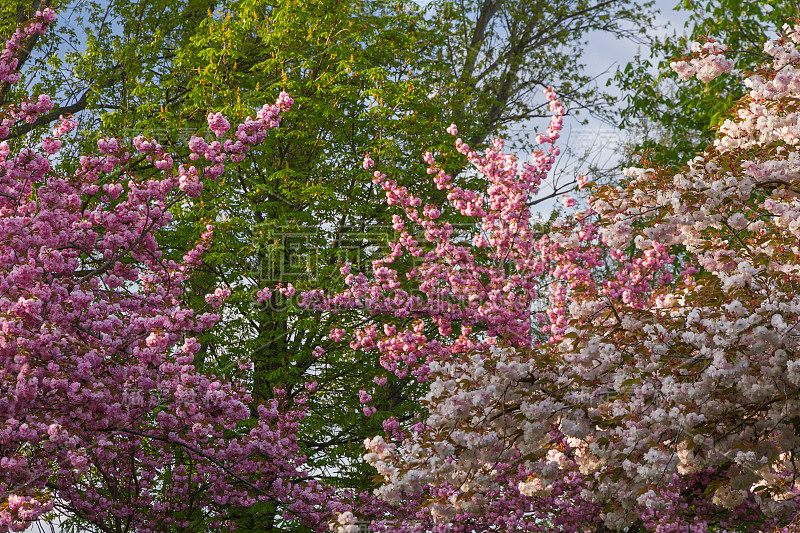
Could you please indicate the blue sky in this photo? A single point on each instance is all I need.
(602, 56)
(605, 53)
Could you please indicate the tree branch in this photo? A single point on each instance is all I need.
(28, 43)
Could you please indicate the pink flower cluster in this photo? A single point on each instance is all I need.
(102, 412)
(8, 57)
(707, 62)
(451, 288)
(218, 297)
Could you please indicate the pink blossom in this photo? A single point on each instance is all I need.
(218, 124)
(707, 62)
(364, 396)
(97, 347)
(218, 297)
(368, 162)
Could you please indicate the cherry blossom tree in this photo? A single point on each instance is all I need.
(103, 416)
(633, 368)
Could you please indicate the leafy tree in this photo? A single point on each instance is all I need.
(500, 54)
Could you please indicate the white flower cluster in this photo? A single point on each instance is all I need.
(346, 522)
(467, 405)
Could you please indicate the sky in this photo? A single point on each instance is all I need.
(602, 56)
(605, 53)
